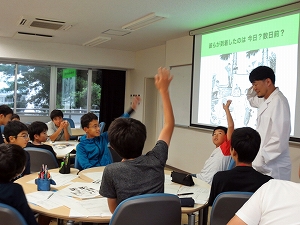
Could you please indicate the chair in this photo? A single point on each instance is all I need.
(10, 215)
(72, 125)
(39, 156)
(226, 205)
(102, 126)
(148, 209)
(231, 164)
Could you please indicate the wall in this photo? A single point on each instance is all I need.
(65, 54)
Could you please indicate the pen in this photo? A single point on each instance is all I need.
(50, 196)
(185, 194)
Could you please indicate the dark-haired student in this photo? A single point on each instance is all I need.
(245, 144)
(12, 164)
(16, 132)
(58, 128)
(92, 149)
(38, 134)
(15, 117)
(138, 174)
(5, 115)
(219, 159)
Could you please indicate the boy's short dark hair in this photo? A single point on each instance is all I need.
(13, 128)
(127, 137)
(12, 161)
(262, 73)
(5, 110)
(87, 118)
(246, 142)
(56, 113)
(36, 127)
(220, 128)
(15, 116)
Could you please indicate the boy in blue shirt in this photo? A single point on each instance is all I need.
(92, 151)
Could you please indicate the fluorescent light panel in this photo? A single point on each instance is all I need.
(97, 41)
(142, 22)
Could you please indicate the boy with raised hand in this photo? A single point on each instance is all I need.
(92, 149)
(16, 132)
(5, 116)
(12, 164)
(220, 157)
(58, 128)
(138, 174)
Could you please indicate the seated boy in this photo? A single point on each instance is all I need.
(276, 202)
(5, 116)
(245, 144)
(58, 129)
(92, 149)
(220, 157)
(138, 174)
(15, 117)
(38, 134)
(16, 132)
(12, 164)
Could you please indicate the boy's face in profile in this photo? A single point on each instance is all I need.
(218, 137)
(57, 120)
(93, 130)
(21, 139)
(42, 137)
(4, 119)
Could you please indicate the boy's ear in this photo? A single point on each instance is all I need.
(36, 136)
(12, 139)
(85, 129)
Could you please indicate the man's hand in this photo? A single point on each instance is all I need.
(135, 102)
(162, 79)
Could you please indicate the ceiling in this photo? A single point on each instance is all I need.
(90, 18)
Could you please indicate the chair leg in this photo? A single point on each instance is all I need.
(191, 219)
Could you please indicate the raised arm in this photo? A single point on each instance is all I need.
(230, 123)
(162, 82)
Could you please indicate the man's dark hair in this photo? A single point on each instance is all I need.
(13, 128)
(5, 110)
(56, 113)
(262, 73)
(246, 142)
(87, 118)
(127, 137)
(220, 128)
(12, 161)
(36, 127)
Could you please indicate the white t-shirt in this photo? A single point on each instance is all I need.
(215, 163)
(277, 202)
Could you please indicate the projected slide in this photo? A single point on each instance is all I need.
(225, 59)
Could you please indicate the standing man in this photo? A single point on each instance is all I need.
(273, 124)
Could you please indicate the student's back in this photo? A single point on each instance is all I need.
(12, 193)
(245, 144)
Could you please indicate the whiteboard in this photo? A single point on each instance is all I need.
(180, 93)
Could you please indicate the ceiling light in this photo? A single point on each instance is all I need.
(97, 41)
(142, 22)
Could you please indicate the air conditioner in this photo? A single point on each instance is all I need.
(45, 23)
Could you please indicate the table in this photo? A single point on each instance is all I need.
(190, 211)
(60, 212)
(77, 132)
(63, 147)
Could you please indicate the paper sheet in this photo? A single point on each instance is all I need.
(81, 190)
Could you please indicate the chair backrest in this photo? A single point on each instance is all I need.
(102, 126)
(10, 215)
(231, 164)
(148, 209)
(71, 122)
(226, 205)
(39, 156)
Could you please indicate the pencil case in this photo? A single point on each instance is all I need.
(44, 184)
(182, 178)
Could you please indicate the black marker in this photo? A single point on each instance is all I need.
(185, 194)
